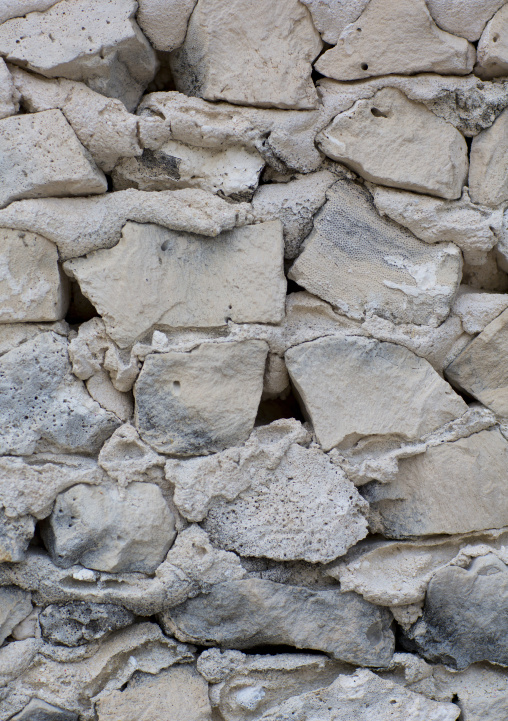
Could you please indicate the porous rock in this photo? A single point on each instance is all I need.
(391, 140)
(364, 264)
(126, 458)
(15, 605)
(15, 535)
(265, 55)
(165, 23)
(180, 279)
(202, 401)
(72, 624)
(492, 57)
(395, 37)
(488, 164)
(331, 17)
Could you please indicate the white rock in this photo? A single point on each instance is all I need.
(488, 182)
(355, 387)
(482, 690)
(13, 335)
(9, 98)
(27, 628)
(15, 535)
(109, 529)
(233, 171)
(103, 125)
(192, 281)
(32, 287)
(41, 156)
(164, 22)
(365, 265)
(17, 8)
(102, 390)
(454, 487)
(332, 16)
(108, 50)
(200, 402)
(476, 309)
(126, 458)
(466, 18)
(15, 606)
(395, 37)
(492, 57)
(394, 141)
(265, 56)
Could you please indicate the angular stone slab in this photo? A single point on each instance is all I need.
(391, 140)
(395, 37)
(331, 17)
(466, 18)
(252, 612)
(41, 157)
(455, 487)
(366, 265)
(160, 277)
(488, 183)
(202, 401)
(165, 23)
(355, 387)
(265, 55)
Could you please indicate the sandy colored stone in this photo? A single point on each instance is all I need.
(455, 487)
(32, 287)
(466, 18)
(395, 37)
(200, 402)
(331, 17)
(164, 22)
(102, 390)
(9, 99)
(41, 156)
(109, 529)
(82, 225)
(38, 710)
(192, 281)
(73, 624)
(391, 140)
(126, 458)
(265, 55)
(17, 8)
(482, 690)
(108, 51)
(15, 605)
(365, 265)
(492, 53)
(488, 182)
(15, 536)
(476, 310)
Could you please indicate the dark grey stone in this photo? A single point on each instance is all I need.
(72, 624)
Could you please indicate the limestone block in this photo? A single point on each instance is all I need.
(31, 285)
(15, 535)
(476, 310)
(102, 390)
(365, 265)
(481, 690)
(295, 204)
(252, 612)
(9, 99)
(395, 37)
(176, 693)
(200, 402)
(17, 8)
(454, 487)
(394, 141)
(72, 624)
(488, 183)
(15, 605)
(331, 17)
(44, 407)
(492, 57)
(478, 369)
(164, 22)
(13, 335)
(233, 171)
(126, 458)
(103, 125)
(362, 696)
(109, 529)
(465, 18)
(265, 53)
(38, 710)
(464, 615)
(182, 280)
(81, 225)
(108, 51)
(41, 156)
(28, 627)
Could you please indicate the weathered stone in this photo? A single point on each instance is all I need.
(72, 624)
(492, 57)
(15, 605)
(38, 710)
(476, 309)
(102, 390)
(331, 17)
(126, 458)
(454, 487)
(396, 37)
(200, 402)
(9, 100)
(82, 225)
(177, 693)
(265, 56)
(28, 627)
(464, 615)
(15, 535)
(481, 690)
(165, 23)
(13, 335)
(295, 204)
(466, 18)
(364, 264)
(488, 183)
(44, 407)
(180, 279)
(31, 285)
(233, 171)
(362, 696)
(41, 156)
(109, 529)
(394, 141)
(18, 8)
(479, 369)
(406, 398)
(252, 612)
(108, 51)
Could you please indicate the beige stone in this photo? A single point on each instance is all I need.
(17, 8)
(32, 287)
(331, 17)
(41, 156)
(394, 141)
(103, 391)
(9, 98)
(15, 606)
(265, 55)
(192, 281)
(466, 18)
(164, 22)
(488, 183)
(492, 57)
(395, 37)
(477, 309)
(126, 459)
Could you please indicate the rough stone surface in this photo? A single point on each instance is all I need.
(489, 163)
(165, 23)
(477, 309)
(9, 101)
(394, 141)
(266, 55)
(73, 624)
(464, 17)
(492, 58)
(331, 17)
(38, 710)
(15, 606)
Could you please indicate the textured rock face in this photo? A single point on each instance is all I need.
(73, 624)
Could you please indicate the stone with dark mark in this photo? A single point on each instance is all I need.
(73, 624)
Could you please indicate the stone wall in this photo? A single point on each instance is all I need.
(253, 360)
